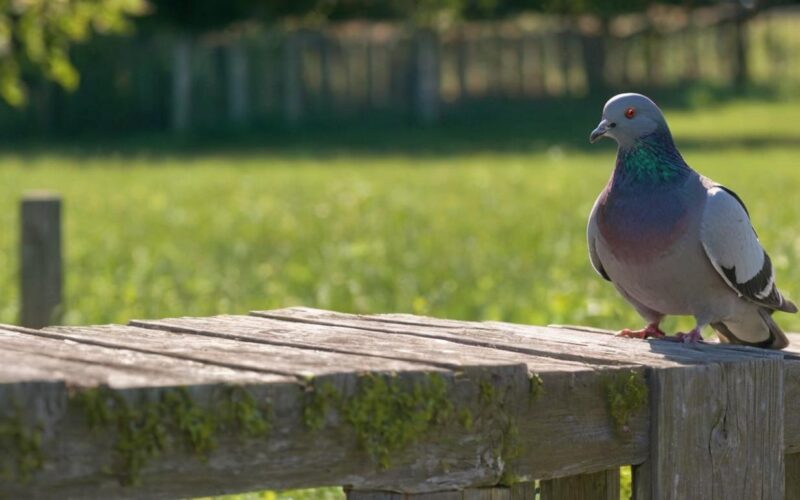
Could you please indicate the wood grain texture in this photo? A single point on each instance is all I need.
(40, 260)
(430, 350)
(716, 432)
(603, 485)
(582, 345)
(26, 357)
(792, 476)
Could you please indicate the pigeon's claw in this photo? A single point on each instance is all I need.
(691, 337)
(650, 331)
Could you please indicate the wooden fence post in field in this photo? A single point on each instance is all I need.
(40, 259)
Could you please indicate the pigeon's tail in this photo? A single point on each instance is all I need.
(787, 305)
(776, 340)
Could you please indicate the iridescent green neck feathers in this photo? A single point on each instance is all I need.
(650, 160)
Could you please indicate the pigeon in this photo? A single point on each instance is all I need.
(673, 242)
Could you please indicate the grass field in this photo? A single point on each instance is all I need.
(462, 223)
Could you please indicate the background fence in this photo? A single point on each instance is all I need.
(296, 75)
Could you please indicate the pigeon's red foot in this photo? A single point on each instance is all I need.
(650, 331)
(691, 337)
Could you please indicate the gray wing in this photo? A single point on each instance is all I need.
(591, 239)
(731, 244)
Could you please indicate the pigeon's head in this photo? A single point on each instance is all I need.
(627, 117)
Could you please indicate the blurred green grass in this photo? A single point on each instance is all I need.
(479, 233)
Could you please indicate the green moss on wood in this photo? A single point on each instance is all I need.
(20, 444)
(385, 413)
(320, 400)
(496, 414)
(508, 479)
(626, 393)
(536, 386)
(466, 419)
(143, 430)
(387, 416)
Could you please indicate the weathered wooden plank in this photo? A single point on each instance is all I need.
(716, 432)
(282, 360)
(40, 259)
(537, 341)
(559, 343)
(603, 485)
(26, 357)
(450, 455)
(429, 350)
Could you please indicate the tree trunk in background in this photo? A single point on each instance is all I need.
(293, 80)
(593, 47)
(182, 83)
(426, 91)
(238, 87)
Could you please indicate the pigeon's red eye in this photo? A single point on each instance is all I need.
(630, 113)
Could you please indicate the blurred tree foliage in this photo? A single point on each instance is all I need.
(35, 37)
(204, 15)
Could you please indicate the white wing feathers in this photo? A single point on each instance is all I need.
(733, 248)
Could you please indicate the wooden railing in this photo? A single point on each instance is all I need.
(389, 406)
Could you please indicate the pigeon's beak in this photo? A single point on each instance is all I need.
(600, 131)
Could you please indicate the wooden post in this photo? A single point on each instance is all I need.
(603, 485)
(793, 475)
(182, 83)
(716, 432)
(40, 260)
(519, 491)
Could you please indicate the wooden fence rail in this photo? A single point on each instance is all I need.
(389, 405)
